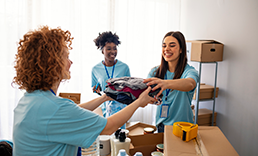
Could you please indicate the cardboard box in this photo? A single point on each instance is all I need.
(205, 50)
(210, 141)
(205, 117)
(206, 92)
(145, 143)
(76, 97)
(137, 128)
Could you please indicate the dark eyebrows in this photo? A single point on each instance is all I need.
(170, 43)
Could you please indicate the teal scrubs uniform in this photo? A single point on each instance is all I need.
(178, 102)
(45, 124)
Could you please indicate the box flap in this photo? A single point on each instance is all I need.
(204, 41)
(215, 141)
(147, 139)
(206, 88)
(137, 129)
(211, 141)
(173, 145)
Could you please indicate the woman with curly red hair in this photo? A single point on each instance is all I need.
(45, 124)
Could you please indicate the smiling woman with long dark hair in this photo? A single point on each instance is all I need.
(177, 81)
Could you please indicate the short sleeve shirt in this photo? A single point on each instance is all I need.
(99, 75)
(179, 102)
(45, 124)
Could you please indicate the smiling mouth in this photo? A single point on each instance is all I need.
(168, 54)
(112, 55)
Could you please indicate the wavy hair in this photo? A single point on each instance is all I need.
(39, 61)
(182, 61)
(106, 37)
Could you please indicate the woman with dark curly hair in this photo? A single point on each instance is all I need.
(6, 148)
(110, 67)
(45, 124)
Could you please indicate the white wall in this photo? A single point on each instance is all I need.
(235, 24)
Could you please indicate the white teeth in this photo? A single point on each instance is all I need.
(168, 54)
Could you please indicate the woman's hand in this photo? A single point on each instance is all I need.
(96, 88)
(107, 98)
(145, 98)
(160, 84)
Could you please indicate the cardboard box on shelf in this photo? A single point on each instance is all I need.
(205, 50)
(76, 97)
(206, 92)
(210, 141)
(145, 143)
(205, 117)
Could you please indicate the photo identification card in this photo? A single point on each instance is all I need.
(164, 110)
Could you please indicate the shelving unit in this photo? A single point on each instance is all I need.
(198, 92)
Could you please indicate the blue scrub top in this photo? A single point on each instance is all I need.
(179, 102)
(45, 124)
(99, 75)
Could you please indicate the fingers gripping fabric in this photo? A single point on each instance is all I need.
(127, 89)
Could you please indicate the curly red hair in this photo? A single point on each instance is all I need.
(39, 62)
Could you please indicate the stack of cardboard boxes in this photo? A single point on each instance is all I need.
(205, 51)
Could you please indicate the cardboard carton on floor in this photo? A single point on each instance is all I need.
(206, 92)
(210, 141)
(205, 50)
(145, 143)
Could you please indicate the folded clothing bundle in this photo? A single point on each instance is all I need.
(127, 89)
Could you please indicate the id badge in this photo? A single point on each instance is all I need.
(164, 110)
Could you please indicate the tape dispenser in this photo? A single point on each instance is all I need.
(185, 130)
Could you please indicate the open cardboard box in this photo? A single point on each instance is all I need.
(138, 128)
(210, 142)
(140, 142)
(145, 143)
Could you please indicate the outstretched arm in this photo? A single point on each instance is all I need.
(184, 85)
(118, 119)
(93, 104)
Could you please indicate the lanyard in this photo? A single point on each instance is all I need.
(107, 70)
(167, 90)
(53, 92)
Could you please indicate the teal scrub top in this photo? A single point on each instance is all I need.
(99, 75)
(45, 124)
(178, 102)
